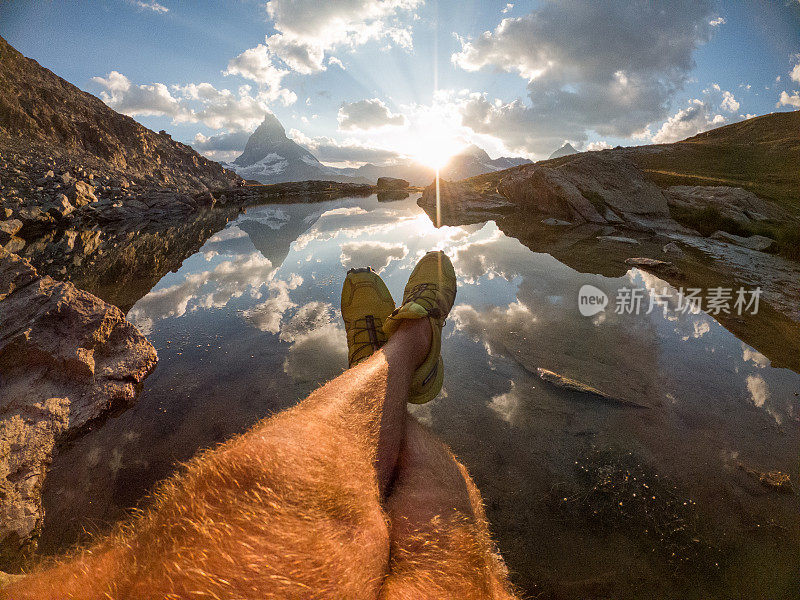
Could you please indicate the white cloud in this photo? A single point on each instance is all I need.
(332, 60)
(191, 103)
(689, 121)
(795, 73)
(328, 150)
(507, 8)
(146, 100)
(717, 22)
(601, 145)
(787, 100)
(367, 114)
(308, 29)
(729, 103)
(605, 66)
(150, 5)
(256, 64)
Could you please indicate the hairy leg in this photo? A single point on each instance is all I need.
(440, 542)
(290, 509)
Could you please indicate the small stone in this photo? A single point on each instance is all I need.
(672, 248)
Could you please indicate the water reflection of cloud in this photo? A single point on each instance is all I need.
(377, 255)
(207, 289)
(506, 405)
(750, 355)
(267, 315)
(318, 344)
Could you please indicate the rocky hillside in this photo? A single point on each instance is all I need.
(42, 115)
(761, 155)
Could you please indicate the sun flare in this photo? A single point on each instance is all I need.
(436, 151)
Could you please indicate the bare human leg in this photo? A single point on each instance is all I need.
(290, 509)
(440, 543)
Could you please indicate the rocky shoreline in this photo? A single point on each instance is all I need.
(66, 359)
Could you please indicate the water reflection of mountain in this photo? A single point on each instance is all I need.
(273, 229)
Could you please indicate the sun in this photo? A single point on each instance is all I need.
(435, 151)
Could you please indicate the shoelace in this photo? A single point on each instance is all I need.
(427, 301)
(376, 337)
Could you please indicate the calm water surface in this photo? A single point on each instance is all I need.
(586, 498)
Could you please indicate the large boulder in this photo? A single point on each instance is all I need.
(391, 183)
(732, 202)
(66, 357)
(592, 187)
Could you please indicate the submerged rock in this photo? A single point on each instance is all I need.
(655, 266)
(573, 385)
(672, 248)
(66, 357)
(619, 239)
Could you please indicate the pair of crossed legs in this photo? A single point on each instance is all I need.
(345, 495)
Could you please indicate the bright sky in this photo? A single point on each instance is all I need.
(359, 81)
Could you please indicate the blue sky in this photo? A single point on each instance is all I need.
(357, 81)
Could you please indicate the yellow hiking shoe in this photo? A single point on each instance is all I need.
(366, 302)
(429, 294)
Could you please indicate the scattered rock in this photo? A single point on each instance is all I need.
(754, 242)
(14, 244)
(61, 207)
(8, 229)
(573, 385)
(81, 193)
(672, 248)
(392, 183)
(556, 222)
(66, 358)
(655, 266)
(619, 239)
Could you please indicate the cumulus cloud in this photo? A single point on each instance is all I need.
(608, 66)
(601, 145)
(789, 100)
(328, 150)
(367, 114)
(147, 100)
(689, 121)
(256, 64)
(308, 29)
(191, 103)
(794, 75)
(717, 21)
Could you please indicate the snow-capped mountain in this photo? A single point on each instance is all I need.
(271, 157)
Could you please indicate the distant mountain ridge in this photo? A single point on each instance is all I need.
(40, 109)
(271, 157)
